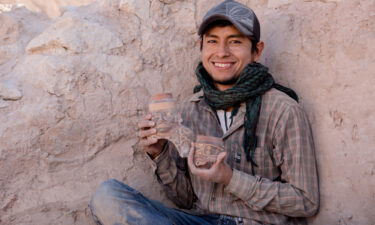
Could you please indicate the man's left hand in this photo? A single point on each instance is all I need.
(219, 172)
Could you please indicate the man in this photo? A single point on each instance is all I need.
(268, 173)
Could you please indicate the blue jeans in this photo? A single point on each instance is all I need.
(115, 203)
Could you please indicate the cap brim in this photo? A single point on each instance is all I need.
(217, 17)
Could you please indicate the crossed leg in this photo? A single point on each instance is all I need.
(115, 203)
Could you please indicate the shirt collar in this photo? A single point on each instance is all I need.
(197, 96)
(238, 119)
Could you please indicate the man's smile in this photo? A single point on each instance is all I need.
(223, 65)
(225, 53)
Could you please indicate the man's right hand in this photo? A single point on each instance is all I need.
(152, 145)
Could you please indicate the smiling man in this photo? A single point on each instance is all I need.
(226, 52)
(267, 173)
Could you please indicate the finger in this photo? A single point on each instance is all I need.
(192, 147)
(148, 116)
(203, 173)
(146, 142)
(146, 133)
(221, 157)
(146, 124)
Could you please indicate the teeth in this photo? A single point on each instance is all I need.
(222, 65)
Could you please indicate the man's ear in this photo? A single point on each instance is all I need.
(258, 54)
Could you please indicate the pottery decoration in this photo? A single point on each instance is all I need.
(206, 150)
(168, 123)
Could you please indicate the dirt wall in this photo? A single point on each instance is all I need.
(72, 89)
(53, 8)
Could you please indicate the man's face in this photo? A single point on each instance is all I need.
(225, 53)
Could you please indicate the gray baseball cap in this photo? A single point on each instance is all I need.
(241, 16)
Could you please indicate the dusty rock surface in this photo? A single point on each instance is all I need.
(53, 8)
(72, 89)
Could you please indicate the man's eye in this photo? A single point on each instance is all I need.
(211, 41)
(235, 42)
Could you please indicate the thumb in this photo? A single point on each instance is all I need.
(191, 156)
(148, 116)
(220, 158)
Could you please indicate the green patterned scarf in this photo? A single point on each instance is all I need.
(253, 82)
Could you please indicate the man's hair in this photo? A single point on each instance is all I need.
(225, 23)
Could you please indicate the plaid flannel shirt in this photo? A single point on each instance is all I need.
(284, 189)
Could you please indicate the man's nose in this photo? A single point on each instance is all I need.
(223, 50)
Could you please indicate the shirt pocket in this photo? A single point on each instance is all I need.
(237, 158)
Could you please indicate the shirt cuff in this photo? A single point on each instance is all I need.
(163, 165)
(162, 155)
(241, 184)
(158, 159)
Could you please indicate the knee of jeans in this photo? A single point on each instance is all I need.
(104, 194)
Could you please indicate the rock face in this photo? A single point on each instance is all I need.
(53, 8)
(73, 88)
